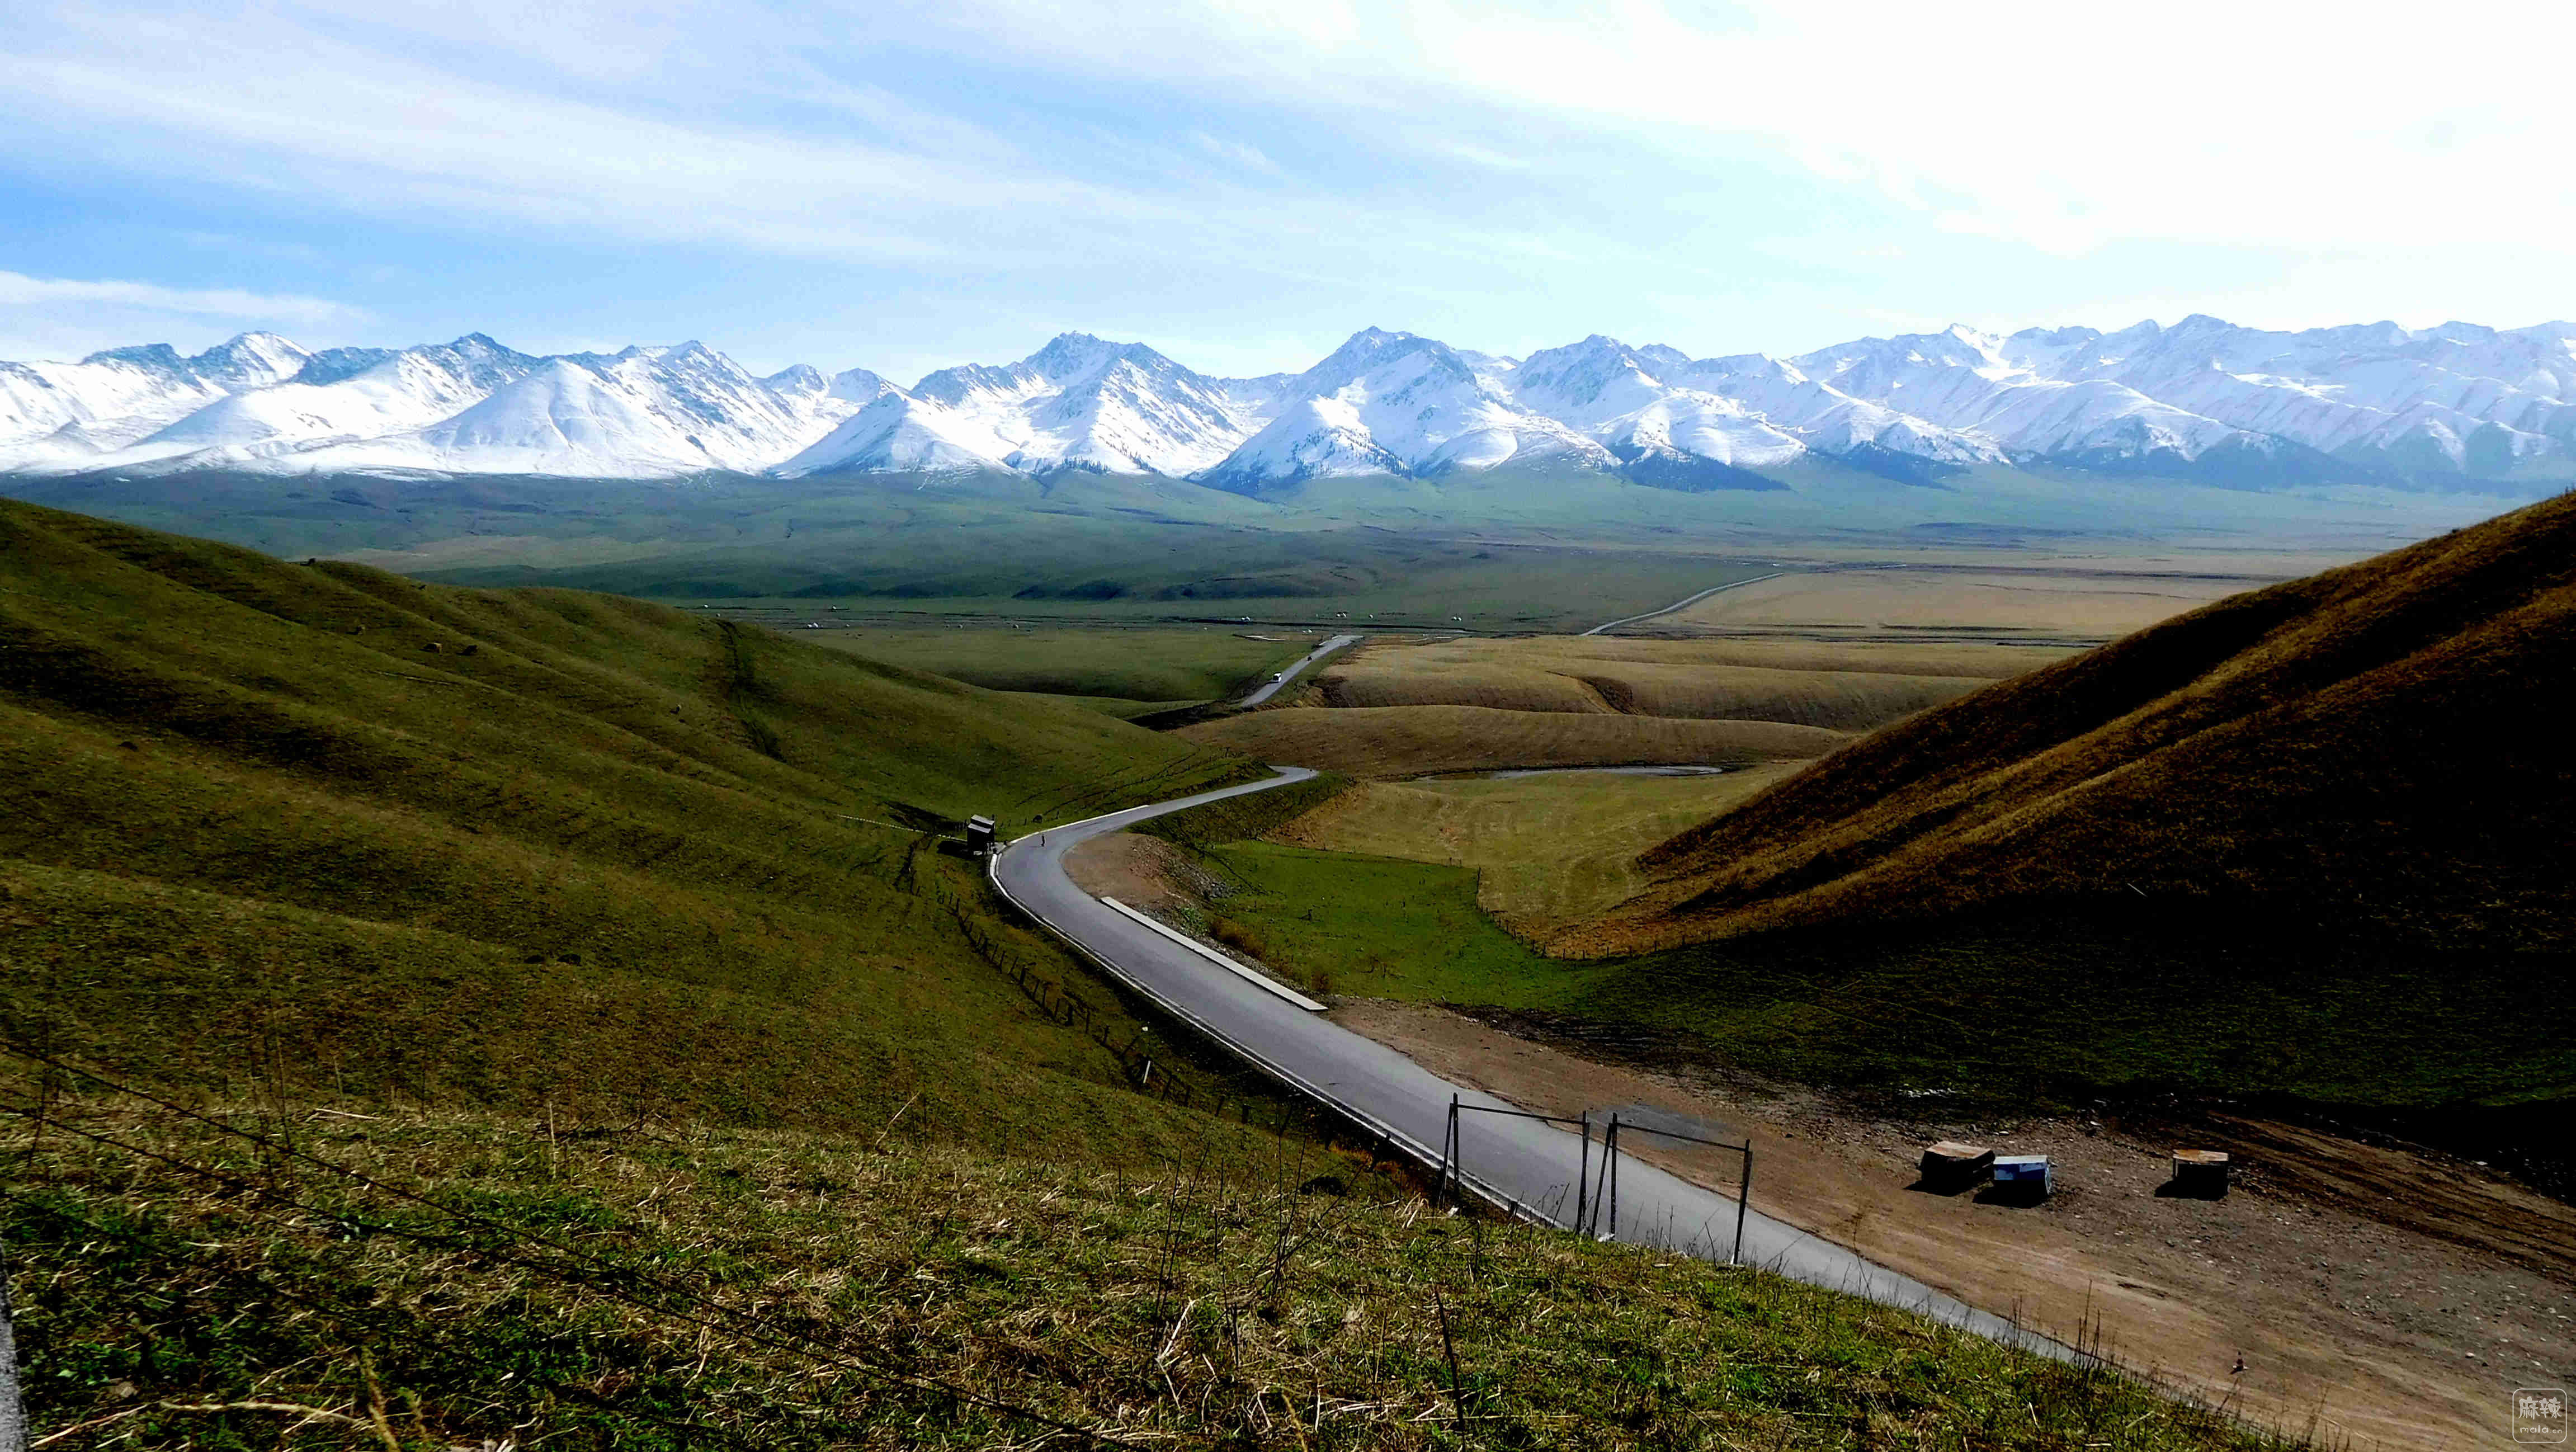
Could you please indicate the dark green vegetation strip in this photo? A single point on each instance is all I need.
(323, 831)
(606, 1287)
(1164, 667)
(1081, 546)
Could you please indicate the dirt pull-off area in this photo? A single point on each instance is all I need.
(2375, 1296)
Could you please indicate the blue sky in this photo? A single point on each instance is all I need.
(1244, 183)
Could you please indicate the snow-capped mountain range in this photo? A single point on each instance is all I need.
(2205, 399)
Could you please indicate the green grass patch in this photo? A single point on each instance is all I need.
(1164, 667)
(1384, 928)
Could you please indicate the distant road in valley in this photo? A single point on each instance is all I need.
(1682, 604)
(1519, 1160)
(1290, 674)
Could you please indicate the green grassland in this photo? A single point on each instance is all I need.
(1076, 547)
(1143, 668)
(1549, 850)
(323, 830)
(557, 1023)
(1125, 572)
(550, 1284)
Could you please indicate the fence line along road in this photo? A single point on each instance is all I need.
(1524, 1165)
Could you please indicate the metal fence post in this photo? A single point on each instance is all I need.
(1583, 1172)
(13, 1413)
(1743, 1195)
(1448, 1152)
(1611, 1152)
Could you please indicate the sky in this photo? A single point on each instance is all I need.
(1244, 183)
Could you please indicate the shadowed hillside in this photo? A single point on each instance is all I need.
(2375, 752)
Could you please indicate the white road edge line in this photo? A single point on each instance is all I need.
(1219, 959)
(1421, 1154)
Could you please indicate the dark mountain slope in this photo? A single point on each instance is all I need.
(2377, 752)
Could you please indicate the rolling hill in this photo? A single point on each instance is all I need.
(553, 1021)
(323, 830)
(2370, 751)
(2306, 845)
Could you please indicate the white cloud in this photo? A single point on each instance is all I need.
(49, 317)
(1512, 165)
(20, 291)
(1235, 153)
(2300, 125)
(280, 108)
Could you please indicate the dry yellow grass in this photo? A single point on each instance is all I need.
(1402, 741)
(1549, 850)
(1840, 686)
(2098, 603)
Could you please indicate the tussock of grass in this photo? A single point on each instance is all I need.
(693, 1287)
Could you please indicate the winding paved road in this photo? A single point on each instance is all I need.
(1519, 1161)
(1683, 603)
(1290, 674)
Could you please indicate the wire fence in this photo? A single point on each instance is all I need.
(1592, 1198)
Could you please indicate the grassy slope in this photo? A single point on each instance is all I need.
(724, 1289)
(570, 922)
(1549, 851)
(1166, 667)
(2377, 749)
(1845, 689)
(588, 851)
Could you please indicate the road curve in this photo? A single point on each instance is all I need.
(1683, 603)
(1271, 688)
(1522, 1162)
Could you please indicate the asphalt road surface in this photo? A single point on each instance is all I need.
(1523, 1162)
(1681, 603)
(1290, 674)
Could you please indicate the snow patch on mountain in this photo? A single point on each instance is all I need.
(1388, 402)
(2440, 407)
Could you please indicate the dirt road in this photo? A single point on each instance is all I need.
(2375, 1295)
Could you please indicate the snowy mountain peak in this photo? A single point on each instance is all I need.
(2460, 405)
(159, 357)
(249, 360)
(858, 385)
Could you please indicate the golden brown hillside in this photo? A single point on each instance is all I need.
(2379, 751)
